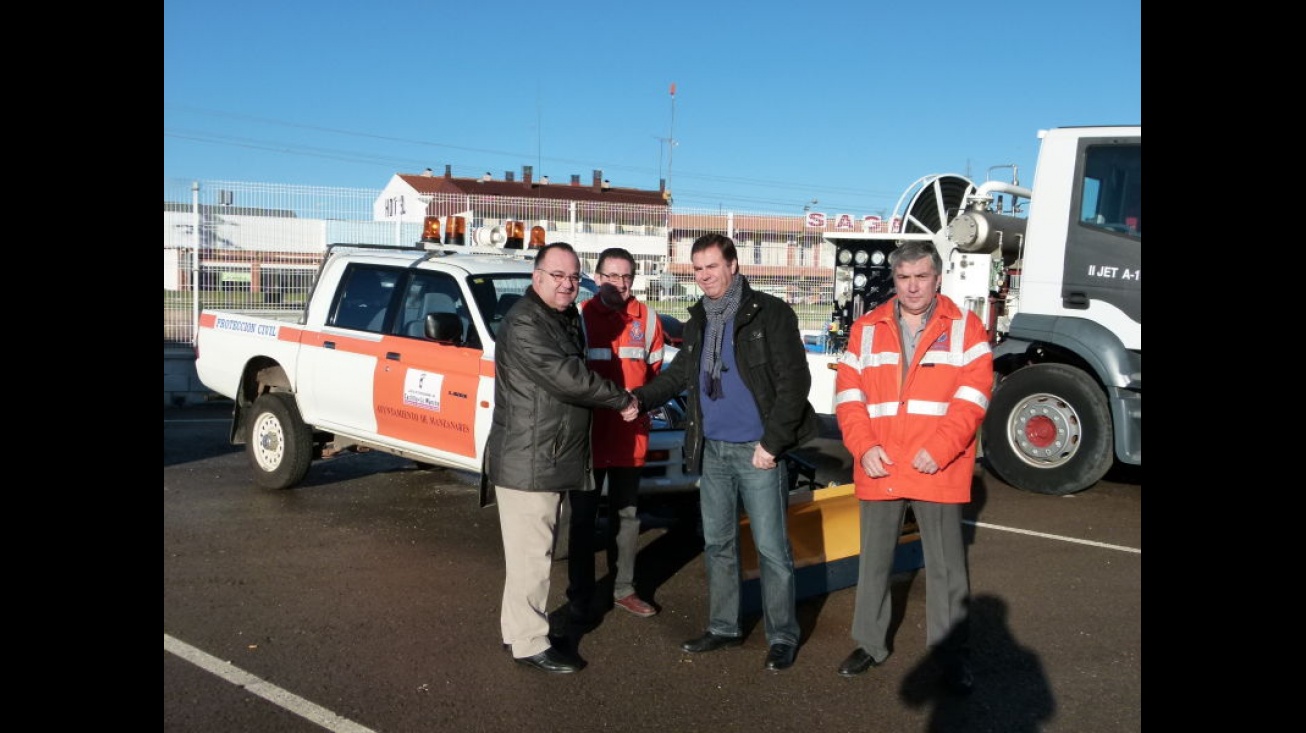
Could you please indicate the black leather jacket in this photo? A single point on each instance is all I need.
(772, 363)
(543, 396)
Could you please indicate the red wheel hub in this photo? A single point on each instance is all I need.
(1041, 431)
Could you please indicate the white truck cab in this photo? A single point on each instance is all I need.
(394, 352)
(1054, 270)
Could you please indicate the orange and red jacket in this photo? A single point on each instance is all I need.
(626, 347)
(936, 402)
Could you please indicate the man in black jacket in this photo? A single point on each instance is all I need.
(539, 443)
(745, 367)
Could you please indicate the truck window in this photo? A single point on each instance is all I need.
(434, 292)
(495, 294)
(364, 299)
(1112, 189)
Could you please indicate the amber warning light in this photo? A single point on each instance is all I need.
(431, 230)
(455, 232)
(537, 237)
(516, 231)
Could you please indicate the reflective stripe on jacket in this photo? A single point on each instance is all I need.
(936, 402)
(626, 347)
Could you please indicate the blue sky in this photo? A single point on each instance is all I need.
(776, 103)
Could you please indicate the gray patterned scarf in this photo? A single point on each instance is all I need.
(719, 313)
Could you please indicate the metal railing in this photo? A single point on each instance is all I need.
(256, 245)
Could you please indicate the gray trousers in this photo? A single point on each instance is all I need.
(947, 582)
(528, 520)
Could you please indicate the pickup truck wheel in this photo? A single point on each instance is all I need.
(279, 445)
(1048, 430)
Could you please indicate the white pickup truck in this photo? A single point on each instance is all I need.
(395, 353)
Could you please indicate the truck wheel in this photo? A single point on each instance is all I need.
(1048, 430)
(279, 446)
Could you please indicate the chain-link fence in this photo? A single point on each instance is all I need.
(258, 246)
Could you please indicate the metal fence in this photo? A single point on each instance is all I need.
(256, 245)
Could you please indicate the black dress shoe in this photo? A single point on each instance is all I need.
(857, 662)
(551, 660)
(781, 656)
(579, 611)
(710, 642)
(582, 620)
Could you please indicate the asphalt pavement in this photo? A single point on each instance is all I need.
(367, 599)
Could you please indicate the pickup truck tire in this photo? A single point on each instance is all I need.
(1048, 430)
(279, 445)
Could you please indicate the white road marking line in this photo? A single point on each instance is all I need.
(1053, 536)
(273, 694)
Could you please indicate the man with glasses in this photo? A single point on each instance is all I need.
(624, 340)
(539, 444)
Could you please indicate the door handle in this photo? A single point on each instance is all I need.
(1076, 300)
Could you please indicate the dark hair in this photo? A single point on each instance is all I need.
(916, 249)
(539, 256)
(616, 253)
(726, 244)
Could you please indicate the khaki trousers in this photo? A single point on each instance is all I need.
(527, 520)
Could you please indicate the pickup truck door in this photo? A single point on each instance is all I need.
(426, 390)
(339, 361)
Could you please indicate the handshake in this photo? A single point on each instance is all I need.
(630, 411)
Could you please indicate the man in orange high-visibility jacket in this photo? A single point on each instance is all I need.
(910, 393)
(624, 343)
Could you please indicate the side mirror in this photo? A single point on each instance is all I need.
(444, 327)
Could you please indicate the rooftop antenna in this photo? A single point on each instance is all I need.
(671, 141)
(539, 126)
(662, 142)
(662, 151)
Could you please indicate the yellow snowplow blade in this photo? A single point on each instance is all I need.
(825, 532)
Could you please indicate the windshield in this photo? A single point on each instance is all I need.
(495, 294)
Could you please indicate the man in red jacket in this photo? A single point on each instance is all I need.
(624, 341)
(910, 393)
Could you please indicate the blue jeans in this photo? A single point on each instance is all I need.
(727, 482)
